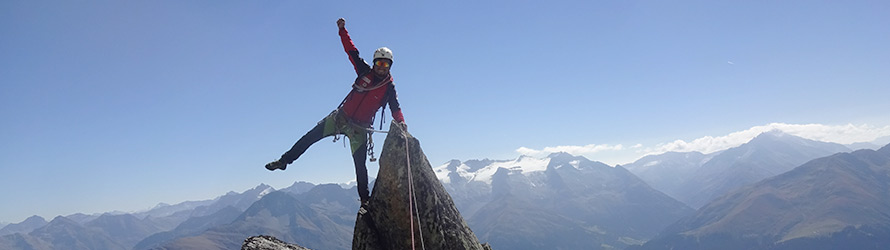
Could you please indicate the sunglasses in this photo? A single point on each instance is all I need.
(382, 63)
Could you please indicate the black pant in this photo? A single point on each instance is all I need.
(336, 124)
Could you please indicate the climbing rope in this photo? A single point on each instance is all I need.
(412, 198)
(410, 191)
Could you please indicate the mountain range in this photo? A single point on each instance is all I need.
(836, 202)
(26, 226)
(695, 178)
(558, 202)
(121, 230)
(767, 193)
(321, 218)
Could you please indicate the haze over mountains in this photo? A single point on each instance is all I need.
(26, 226)
(695, 178)
(836, 202)
(120, 231)
(775, 190)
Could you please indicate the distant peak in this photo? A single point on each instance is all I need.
(260, 190)
(160, 205)
(563, 158)
(453, 164)
(885, 149)
(560, 155)
(350, 184)
(62, 219)
(775, 133)
(35, 217)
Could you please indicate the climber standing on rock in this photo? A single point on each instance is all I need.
(372, 89)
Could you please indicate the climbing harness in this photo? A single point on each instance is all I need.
(370, 132)
(371, 140)
(371, 146)
(338, 131)
(413, 210)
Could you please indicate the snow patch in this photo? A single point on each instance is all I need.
(464, 171)
(442, 173)
(523, 164)
(348, 184)
(576, 164)
(265, 192)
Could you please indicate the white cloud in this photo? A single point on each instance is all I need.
(574, 150)
(612, 154)
(843, 134)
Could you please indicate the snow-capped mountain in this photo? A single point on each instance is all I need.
(484, 173)
(561, 201)
(240, 201)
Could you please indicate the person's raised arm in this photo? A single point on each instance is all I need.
(358, 63)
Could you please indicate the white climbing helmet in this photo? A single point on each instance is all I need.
(383, 52)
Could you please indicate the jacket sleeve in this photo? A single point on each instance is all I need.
(393, 102)
(358, 63)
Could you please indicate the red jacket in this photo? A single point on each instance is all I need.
(369, 91)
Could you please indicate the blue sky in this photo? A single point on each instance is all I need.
(120, 105)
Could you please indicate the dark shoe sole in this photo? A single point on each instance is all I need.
(272, 167)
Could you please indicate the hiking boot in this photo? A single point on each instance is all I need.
(272, 166)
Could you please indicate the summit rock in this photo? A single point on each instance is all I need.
(387, 224)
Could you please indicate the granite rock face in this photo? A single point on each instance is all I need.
(387, 223)
(264, 242)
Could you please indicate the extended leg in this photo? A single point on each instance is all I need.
(311, 137)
